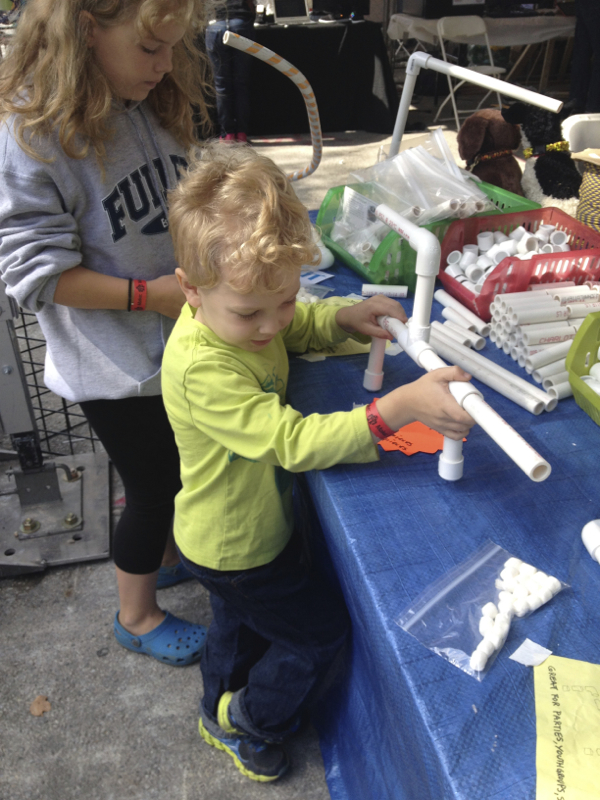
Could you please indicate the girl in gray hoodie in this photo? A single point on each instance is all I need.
(96, 102)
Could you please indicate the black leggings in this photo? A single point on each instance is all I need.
(139, 441)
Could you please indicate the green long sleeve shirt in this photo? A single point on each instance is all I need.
(239, 441)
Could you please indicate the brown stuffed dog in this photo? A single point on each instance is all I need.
(485, 142)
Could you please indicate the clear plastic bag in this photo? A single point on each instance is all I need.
(449, 616)
(425, 181)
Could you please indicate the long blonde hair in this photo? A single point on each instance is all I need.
(51, 80)
(236, 208)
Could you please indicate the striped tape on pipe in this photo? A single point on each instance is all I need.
(269, 57)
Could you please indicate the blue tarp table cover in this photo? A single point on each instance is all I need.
(401, 723)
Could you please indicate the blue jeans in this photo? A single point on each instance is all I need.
(231, 70)
(275, 634)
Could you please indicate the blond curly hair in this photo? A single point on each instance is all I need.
(50, 79)
(236, 208)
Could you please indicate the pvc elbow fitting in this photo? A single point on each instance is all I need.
(591, 538)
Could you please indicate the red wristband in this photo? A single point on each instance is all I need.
(376, 425)
(140, 294)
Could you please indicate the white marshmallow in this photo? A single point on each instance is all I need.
(506, 607)
(544, 594)
(513, 562)
(527, 569)
(521, 607)
(539, 577)
(505, 596)
(510, 584)
(534, 601)
(509, 572)
(520, 592)
(485, 625)
(553, 584)
(503, 619)
(489, 610)
(478, 660)
(485, 646)
(497, 637)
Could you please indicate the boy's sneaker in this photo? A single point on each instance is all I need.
(254, 758)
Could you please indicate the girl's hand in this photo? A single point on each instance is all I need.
(362, 317)
(165, 296)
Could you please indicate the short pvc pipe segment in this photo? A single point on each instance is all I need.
(373, 379)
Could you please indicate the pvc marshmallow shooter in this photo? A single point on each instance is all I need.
(414, 339)
(280, 64)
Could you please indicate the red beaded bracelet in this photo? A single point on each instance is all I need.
(140, 293)
(376, 425)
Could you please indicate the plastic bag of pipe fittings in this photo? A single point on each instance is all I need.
(356, 228)
(417, 179)
(465, 616)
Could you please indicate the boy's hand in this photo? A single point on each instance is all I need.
(429, 401)
(362, 317)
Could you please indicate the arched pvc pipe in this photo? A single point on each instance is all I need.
(269, 57)
(419, 61)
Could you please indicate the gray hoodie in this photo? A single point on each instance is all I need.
(59, 215)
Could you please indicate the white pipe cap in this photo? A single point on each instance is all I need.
(591, 538)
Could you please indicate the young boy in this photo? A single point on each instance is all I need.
(241, 237)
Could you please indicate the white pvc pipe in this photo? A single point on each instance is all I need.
(487, 376)
(373, 289)
(555, 380)
(538, 287)
(528, 315)
(454, 316)
(577, 295)
(373, 379)
(426, 268)
(550, 335)
(578, 310)
(553, 368)
(456, 336)
(473, 338)
(482, 328)
(420, 60)
(561, 390)
(477, 360)
(471, 400)
(551, 353)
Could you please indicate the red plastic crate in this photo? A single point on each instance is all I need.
(514, 275)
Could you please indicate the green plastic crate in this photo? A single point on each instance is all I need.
(583, 354)
(394, 260)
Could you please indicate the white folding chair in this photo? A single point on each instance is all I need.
(464, 28)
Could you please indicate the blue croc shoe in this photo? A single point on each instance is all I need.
(174, 641)
(169, 576)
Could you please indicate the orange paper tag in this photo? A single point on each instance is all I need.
(414, 438)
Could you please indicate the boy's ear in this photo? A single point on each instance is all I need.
(190, 291)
